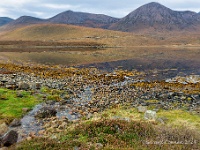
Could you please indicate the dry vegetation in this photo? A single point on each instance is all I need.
(70, 33)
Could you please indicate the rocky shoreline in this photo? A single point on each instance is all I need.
(80, 96)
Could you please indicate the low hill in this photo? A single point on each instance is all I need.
(57, 32)
(71, 33)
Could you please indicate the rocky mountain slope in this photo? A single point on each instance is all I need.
(156, 17)
(83, 19)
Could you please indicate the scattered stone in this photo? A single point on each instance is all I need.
(23, 86)
(76, 148)
(25, 110)
(19, 94)
(142, 109)
(99, 146)
(160, 120)
(150, 115)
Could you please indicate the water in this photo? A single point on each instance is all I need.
(184, 60)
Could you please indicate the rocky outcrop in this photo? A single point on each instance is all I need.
(9, 138)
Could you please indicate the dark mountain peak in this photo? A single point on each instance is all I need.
(156, 17)
(83, 19)
(151, 9)
(154, 4)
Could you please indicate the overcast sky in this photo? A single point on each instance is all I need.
(115, 8)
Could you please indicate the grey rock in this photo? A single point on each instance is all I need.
(9, 138)
(46, 112)
(150, 115)
(99, 146)
(142, 109)
(23, 86)
(15, 123)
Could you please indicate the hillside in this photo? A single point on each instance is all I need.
(154, 17)
(5, 20)
(83, 19)
(70, 33)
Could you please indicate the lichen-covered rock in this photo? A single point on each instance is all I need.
(150, 115)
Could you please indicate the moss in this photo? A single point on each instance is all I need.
(12, 106)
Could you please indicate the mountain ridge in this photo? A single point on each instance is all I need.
(157, 17)
(151, 17)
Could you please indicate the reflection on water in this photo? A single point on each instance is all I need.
(183, 60)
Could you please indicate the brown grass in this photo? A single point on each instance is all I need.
(70, 33)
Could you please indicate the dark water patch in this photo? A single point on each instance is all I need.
(155, 69)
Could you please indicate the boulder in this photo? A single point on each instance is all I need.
(36, 86)
(46, 112)
(9, 138)
(150, 115)
(23, 86)
(15, 123)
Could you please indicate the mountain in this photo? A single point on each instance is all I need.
(5, 20)
(27, 20)
(83, 19)
(68, 17)
(21, 21)
(152, 17)
(156, 17)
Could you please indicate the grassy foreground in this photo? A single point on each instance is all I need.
(124, 128)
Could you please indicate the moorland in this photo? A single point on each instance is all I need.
(89, 81)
